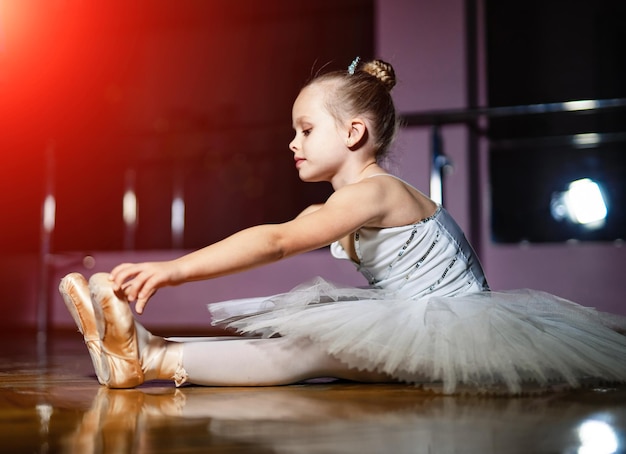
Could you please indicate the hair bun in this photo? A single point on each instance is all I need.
(382, 71)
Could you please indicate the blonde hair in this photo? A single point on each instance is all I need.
(366, 91)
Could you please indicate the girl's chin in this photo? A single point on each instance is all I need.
(310, 178)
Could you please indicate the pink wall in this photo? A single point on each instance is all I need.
(425, 42)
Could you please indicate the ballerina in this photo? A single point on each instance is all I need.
(427, 316)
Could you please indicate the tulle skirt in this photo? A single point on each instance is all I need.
(485, 342)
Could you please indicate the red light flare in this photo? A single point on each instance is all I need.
(59, 58)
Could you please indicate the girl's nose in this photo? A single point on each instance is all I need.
(293, 146)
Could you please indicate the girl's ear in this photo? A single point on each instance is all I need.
(357, 132)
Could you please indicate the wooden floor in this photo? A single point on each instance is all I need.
(51, 402)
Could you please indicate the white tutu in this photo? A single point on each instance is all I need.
(478, 342)
(429, 318)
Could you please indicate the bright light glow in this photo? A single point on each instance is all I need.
(580, 105)
(597, 437)
(129, 208)
(584, 202)
(435, 187)
(587, 139)
(2, 39)
(49, 213)
(178, 216)
(45, 414)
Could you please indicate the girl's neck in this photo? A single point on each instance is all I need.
(356, 174)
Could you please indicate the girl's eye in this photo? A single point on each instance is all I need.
(306, 132)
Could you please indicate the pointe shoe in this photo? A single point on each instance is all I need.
(160, 359)
(75, 292)
(116, 328)
(130, 352)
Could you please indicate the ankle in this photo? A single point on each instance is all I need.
(162, 360)
(174, 351)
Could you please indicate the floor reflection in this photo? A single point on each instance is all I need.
(54, 404)
(342, 418)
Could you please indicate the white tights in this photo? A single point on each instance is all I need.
(264, 362)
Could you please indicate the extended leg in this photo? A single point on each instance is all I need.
(264, 362)
(133, 355)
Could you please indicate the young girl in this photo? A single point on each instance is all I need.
(427, 316)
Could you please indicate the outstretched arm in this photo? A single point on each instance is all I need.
(344, 212)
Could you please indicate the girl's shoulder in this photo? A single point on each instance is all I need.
(391, 179)
(399, 201)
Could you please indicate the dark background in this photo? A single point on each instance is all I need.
(547, 52)
(194, 93)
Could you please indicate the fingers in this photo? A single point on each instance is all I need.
(139, 290)
(139, 306)
(140, 281)
(129, 278)
(131, 289)
(122, 273)
(142, 296)
(141, 302)
(137, 281)
(136, 288)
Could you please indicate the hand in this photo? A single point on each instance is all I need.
(139, 281)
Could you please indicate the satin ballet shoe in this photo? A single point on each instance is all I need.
(131, 353)
(116, 328)
(160, 359)
(75, 292)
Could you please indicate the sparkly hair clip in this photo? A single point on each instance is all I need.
(353, 65)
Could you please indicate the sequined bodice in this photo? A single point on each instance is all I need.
(430, 257)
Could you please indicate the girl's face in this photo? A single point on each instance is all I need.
(319, 145)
